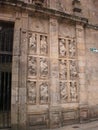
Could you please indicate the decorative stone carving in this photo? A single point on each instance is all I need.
(43, 45)
(62, 69)
(73, 70)
(31, 92)
(33, 43)
(62, 48)
(32, 66)
(73, 91)
(72, 48)
(44, 93)
(43, 67)
(63, 92)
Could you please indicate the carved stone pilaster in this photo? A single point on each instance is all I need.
(83, 104)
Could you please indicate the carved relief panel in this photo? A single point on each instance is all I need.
(32, 43)
(38, 68)
(73, 69)
(63, 92)
(62, 69)
(62, 47)
(67, 69)
(73, 91)
(72, 48)
(31, 85)
(44, 68)
(32, 66)
(43, 45)
(44, 92)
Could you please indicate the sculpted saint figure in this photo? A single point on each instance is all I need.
(43, 45)
(62, 47)
(43, 67)
(33, 43)
(44, 92)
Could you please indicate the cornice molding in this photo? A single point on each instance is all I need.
(49, 12)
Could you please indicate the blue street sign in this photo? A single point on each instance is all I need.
(93, 49)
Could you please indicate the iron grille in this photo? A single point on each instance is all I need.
(6, 45)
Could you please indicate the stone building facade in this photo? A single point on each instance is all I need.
(54, 62)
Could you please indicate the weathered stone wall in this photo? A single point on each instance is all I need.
(92, 71)
(54, 73)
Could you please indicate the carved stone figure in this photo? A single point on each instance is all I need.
(73, 69)
(43, 45)
(33, 43)
(62, 48)
(31, 92)
(43, 67)
(63, 92)
(44, 92)
(62, 69)
(72, 49)
(73, 91)
(32, 66)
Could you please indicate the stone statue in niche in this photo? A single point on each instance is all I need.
(43, 67)
(73, 91)
(62, 69)
(73, 70)
(62, 47)
(32, 66)
(44, 92)
(72, 48)
(43, 45)
(63, 91)
(31, 92)
(33, 43)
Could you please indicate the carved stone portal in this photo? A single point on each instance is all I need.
(43, 45)
(63, 92)
(32, 66)
(43, 67)
(31, 85)
(44, 96)
(62, 69)
(33, 43)
(73, 91)
(62, 47)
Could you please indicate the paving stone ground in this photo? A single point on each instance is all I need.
(86, 126)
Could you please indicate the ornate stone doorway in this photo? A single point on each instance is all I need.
(6, 47)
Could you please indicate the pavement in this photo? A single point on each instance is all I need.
(86, 126)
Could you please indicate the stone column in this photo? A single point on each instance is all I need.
(23, 73)
(15, 73)
(54, 74)
(83, 104)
